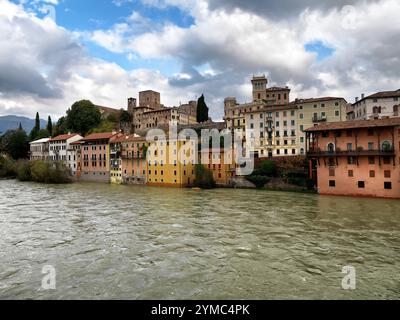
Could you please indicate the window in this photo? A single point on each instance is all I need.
(361, 184)
(337, 113)
(370, 146)
(386, 160)
(351, 173)
(388, 186)
(350, 160)
(332, 183)
(331, 172)
(387, 174)
(372, 173)
(349, 146)
(371, 160)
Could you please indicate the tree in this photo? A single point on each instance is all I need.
(36, 128)
(202, 110)
(124, 116)
(49, 126)
(16, 144)
(60, 127)
(20, 126)
(82, 117)
(268, 168)
(203, 177)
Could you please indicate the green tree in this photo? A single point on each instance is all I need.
(60, 127)
(49, 126)
(20, 126)
(202, 110)
(124, 116)
(268, 168)
(36, 128)
(203, 177)
(82, 117)
(16, 144)
(42, 134)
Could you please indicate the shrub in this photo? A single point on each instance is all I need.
(204, 177)
(7, 167)
(268, 168)
(258, 181)
(24, 170)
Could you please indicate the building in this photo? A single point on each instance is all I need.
(356, 158)
(376, 106)
(271, 126)
(171, 163)
(74, 160)
(221, 163)
(39, 149)
(59, 145)
(271, 130)
(315, 111)
(95, 152)
(128, 159)
(150, 113)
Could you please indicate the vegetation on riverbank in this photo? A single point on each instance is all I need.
(204, 178)
(282, 174)
(35, 171)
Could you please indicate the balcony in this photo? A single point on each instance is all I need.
(350, 153)
(319, 119)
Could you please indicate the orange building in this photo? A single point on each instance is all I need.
(95, 160)
(356, 158)
(220, 163)
(128, 159)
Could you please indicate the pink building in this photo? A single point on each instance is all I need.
(356, 158)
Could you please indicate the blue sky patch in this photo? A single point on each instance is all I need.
(322, 50)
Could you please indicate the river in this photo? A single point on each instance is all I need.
(120, 242)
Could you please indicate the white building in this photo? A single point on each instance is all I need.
(39, 149)
(376, 106)
(74, 157)
(59, 145)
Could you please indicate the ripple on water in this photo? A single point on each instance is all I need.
(151, 243)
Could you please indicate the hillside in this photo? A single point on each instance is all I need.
(12, 122)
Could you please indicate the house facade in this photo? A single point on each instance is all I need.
(356, 158)
(59, 145)
(39, 149)
(95, 152)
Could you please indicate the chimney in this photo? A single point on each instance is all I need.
(356, 99)
(362, 96)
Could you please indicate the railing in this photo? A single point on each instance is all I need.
(350, 153)
(319, 119)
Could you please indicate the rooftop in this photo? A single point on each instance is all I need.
(278, 89)
(99, 136)
(382, 94)
(127, 138)
(44, 140)
(389, 122)
(322, 99)
(63, 137)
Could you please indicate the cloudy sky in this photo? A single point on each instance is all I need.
(55, 52)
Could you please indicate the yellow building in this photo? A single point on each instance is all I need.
(171, 163)
(220, 163)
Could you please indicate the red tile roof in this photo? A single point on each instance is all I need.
(76, 142)
(389, 122)
(99, 136)
(63, 137)
(126, 138)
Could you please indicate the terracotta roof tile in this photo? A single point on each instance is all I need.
(99, 136)
(63, 137)
(389, 122)
(126, 138)
(322, 99)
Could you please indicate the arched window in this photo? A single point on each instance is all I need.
(331, 147)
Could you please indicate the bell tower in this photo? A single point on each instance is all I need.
(259, 88)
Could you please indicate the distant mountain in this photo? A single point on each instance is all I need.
(12, 122)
